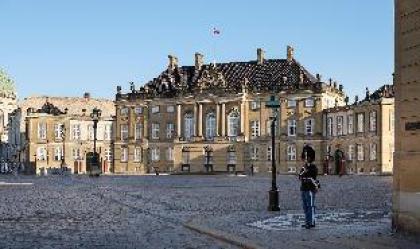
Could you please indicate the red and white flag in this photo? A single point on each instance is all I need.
(216, 31)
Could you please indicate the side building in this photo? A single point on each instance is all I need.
(55, 132)
(213, 117)
(363, 132)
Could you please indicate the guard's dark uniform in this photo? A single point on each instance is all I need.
(308, 176)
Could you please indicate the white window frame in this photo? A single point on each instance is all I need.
(58, 153)
(155, 130)
(360, 152)
(124, 132)
(350, 124)
(138, 131)
(373, 121)
(233, 124)
(231, 157)
(170, 129)
(255, 105)
(76, 154)
(155, 154)
(90, 132)
(360, 122)
(108, 132)
(124, 111)
(42, 130)
(291, 152)
(291, 127)
(255, 128)
(137, 154)
(155, 109)
(350, 153)
(309, 126)
(108, 154)
(138, 110)
(254, 152)
(340, 126)
(189, 126)
(124, 154)
(309, 102)
(330, 127)
(291, 103)
(210, 126)
(170, 108)
(41, 153)
(75, 132)
(58, 131)
(373, 151)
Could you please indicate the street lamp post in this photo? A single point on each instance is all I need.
(273, 194)
(95, 115)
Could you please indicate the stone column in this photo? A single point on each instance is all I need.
(223, 116)
(195, 119)
(200, 120)
(217, 120)
(178, 120)
(242, 117)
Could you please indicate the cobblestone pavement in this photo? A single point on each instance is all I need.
(183, 211)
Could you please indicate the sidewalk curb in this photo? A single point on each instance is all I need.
(223, 236)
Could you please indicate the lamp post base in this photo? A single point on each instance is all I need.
(273, 197)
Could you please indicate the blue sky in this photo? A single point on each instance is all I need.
(64, 48)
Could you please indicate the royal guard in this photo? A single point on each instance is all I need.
(339, 159)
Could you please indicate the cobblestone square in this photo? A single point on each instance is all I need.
(177, 211)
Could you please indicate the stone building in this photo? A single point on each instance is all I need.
(42, 144)
(364, 132)
(212, 117)
(406, 201)
(7, 105)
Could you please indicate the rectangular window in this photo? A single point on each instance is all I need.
(291, 153)
(108, 154)
(254, 152)
(291, 169)
(360, 122)
(139, 131)
(255, 128)
(42, 131)
(291, 127)
(391, 120)
(138, 110)
(350, 126)
(372, 121)
(41, 154)
(170, 154)
(75, 132)
(90, 132)
(155, 131)
(291, 103)
(372, 154)
(170, 129)
(58, 131)
(360, 153)
(170, 108)
(339, 125)
(124, 111)
(269, 153)
(58, 153)
(108, 132)
(330, 126)
(309, 127)
(155, 109)
(351, 152)
(155, 154)
(255, 105)
(137, 155)
(124, 154)
(309, 102)
(76, 154)
(124, 132)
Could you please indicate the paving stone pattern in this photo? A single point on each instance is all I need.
(151, 211)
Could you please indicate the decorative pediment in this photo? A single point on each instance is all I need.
(49, 108)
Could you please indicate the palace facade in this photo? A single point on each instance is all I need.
(213, 117)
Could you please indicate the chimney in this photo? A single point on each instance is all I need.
(290, 52)
(173, 62)
(199, 61)
(86, 95)
(260, 56)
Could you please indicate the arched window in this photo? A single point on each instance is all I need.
(233, 124)
(188, 126)
(210, 126)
